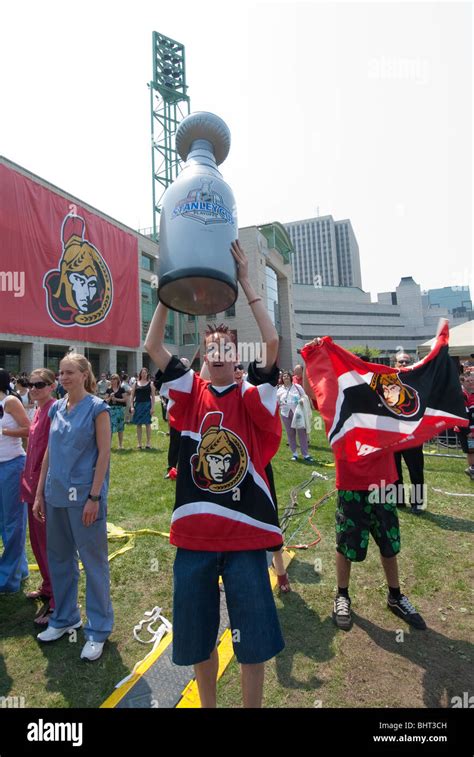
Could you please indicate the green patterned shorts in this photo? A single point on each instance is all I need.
(357, 517)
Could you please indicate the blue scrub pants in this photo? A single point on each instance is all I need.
(65, 537)
(13, 519)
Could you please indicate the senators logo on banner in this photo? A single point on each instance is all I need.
(80, 291)
(221, 459)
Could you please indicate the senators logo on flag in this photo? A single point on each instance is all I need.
(370, 409)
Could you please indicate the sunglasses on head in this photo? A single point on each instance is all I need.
(37, 384)
(239, 367)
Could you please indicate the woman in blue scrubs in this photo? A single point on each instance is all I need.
(73, 490)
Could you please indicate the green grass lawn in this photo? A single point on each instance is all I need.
(372, 665)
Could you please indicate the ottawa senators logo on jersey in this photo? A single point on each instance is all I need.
(221, 459)
(397, 397)
(79, 292)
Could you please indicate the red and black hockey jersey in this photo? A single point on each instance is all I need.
(223, 498)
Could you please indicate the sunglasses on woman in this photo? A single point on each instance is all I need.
(37, 384)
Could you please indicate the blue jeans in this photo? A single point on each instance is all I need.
(13, 519)
(256, 634)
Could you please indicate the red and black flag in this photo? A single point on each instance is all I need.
(369, 409)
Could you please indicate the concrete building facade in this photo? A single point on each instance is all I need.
(326, 252)
(347, 315)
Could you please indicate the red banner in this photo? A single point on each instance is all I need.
(64, 272)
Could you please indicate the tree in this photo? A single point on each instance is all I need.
(366, 353)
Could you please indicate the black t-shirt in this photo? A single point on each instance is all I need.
(118, 394)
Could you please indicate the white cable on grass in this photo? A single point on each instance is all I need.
(452, 494)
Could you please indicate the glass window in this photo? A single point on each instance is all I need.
(189, 339)
(10, 360)
(273, 306)
(147, 263)
(149, 297)
(169, 327)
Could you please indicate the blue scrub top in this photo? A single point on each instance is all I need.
(73, 453)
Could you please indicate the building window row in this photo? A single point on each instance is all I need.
(348, 312)
(352, 338)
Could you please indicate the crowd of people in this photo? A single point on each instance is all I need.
(131, 400)
(55, 441)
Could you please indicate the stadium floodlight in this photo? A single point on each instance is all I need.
(169, 105)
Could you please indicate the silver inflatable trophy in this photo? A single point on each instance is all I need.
(197, 272)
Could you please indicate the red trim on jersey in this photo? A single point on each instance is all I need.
(217, 534)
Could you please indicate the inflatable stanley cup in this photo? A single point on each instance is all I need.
(197, 272)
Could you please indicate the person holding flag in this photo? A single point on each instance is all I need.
(370, 412)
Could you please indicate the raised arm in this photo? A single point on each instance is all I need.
(154, 342)
(267, 329)
(306, 385)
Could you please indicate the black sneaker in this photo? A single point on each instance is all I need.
(405, 610)
(341, 613)
(415, 510)
(470, 472)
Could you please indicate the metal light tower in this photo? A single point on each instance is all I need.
(169, 105)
